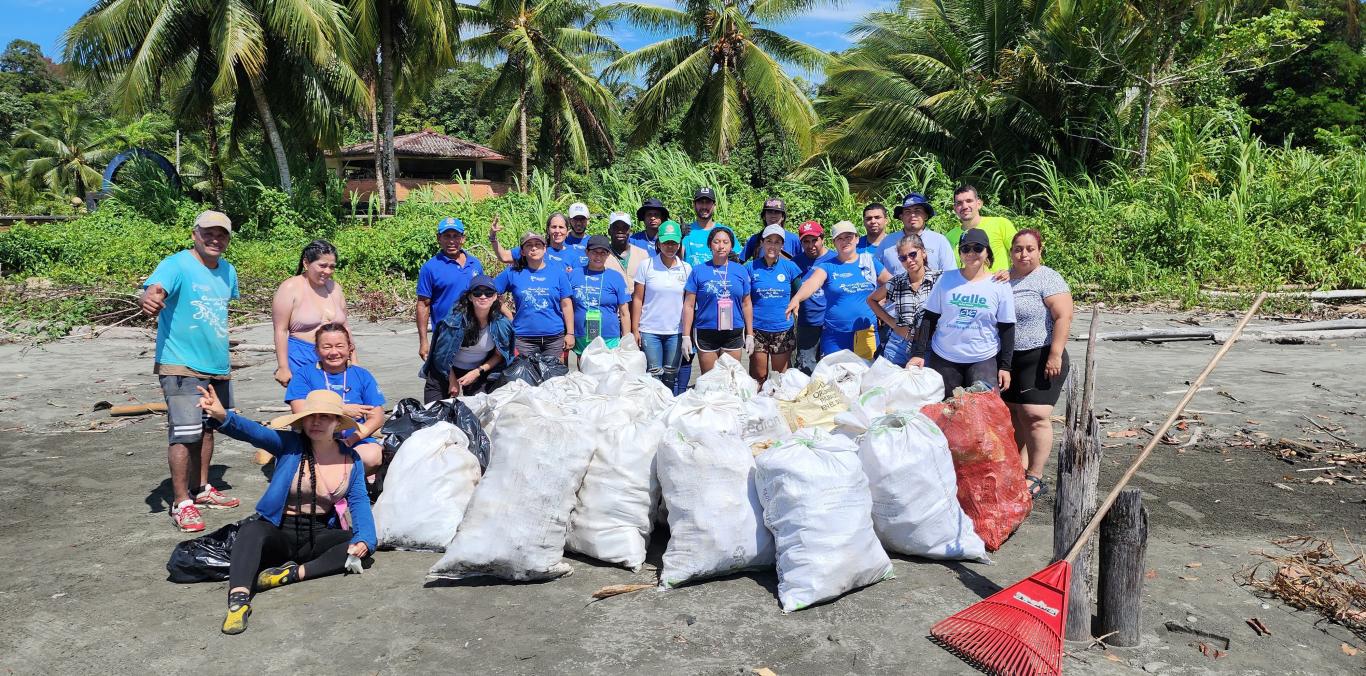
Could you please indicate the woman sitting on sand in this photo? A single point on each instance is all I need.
(315, 509)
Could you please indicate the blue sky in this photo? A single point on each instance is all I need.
(43, 21)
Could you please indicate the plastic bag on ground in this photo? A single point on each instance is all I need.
(696, 414)
(409, 416)
(516, 523)
(716, 524)
(613, 514)
(910, 387)
(991, 483)
(785, 386)
(430, 483)
(727, 376)
(205, 558)
(637, 387)
(844, 370)
(762, 423)
(571, 384)
(817, 406)
(817, 505)
(528, 369)
(915, 491)
(598, 360)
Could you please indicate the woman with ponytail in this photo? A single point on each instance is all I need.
(304, 302)
(315, 514)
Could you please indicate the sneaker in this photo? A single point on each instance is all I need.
(280, 576)
(211, 498)
(239, 609)
(187, 518)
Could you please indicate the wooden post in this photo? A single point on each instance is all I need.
(1078, 473)
(1123, 545)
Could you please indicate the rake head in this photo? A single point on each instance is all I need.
(1016, 631)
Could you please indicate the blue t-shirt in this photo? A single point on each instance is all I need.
(604, 290)
(536, 297)
(695, 249)
(355, 385)
(571, 257)
(772, 290)
(645, 242)
(888, 241)
(847, 286)
(711, 283)
(442, 280)
(812, 311)
(969, 312)
(575, 240)
(792, 245)
(192, 330)
(938, 252)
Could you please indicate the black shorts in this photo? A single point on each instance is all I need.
(1028, 384)
(712, 340)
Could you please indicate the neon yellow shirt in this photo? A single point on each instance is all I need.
(999, 233)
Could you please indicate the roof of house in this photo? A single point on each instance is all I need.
(428, 144)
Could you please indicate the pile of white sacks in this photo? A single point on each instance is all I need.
(818, 476)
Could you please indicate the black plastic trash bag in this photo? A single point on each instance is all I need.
(533, 370)
(409, 416)
(205, 558)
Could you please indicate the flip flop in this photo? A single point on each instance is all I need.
(1037, 488)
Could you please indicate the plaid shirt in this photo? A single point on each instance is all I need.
(907, 304)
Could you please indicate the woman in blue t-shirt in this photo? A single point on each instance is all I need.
(542, 300)
(773, 278)
(716, 302)
(361, 396)
(601, 301)
(967, 333)
(847, 279)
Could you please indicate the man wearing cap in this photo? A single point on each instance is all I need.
(578, 224)
(811, 315)
(189, 293)
(774, 212)
(443, 278)
(626, 257)
(695, 249)
(967, 206)
(602, 299)
(651, 214)
(914, 212)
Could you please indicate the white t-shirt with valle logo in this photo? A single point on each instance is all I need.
(969, 311)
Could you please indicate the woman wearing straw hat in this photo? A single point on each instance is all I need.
(315, 508)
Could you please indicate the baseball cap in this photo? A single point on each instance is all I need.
(775, 204)
(974, 236)
(670, 231)
(599, 242)
(704, 193)
(774, 229)
(578, 209)
(652, 203)
(213, 219)
(843, 227)
(911, 200)
(619, 217)
(484, 281)
(450, 224)
(532, 234)
(810, 228)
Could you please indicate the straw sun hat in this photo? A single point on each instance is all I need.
(325, 402)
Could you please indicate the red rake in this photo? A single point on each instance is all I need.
(1018, 631)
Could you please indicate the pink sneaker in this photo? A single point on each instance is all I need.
(187, 518)
(211, 498)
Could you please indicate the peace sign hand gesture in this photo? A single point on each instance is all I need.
(494, 229)
(208, 401)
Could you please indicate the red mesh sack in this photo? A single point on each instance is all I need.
(991, 483)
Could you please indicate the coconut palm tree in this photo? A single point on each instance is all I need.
(723, 72)
(66, 151)
(549, 49)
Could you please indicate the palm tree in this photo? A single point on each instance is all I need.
(724, 71)
(66, 151)
(256, 52)
(549, 49)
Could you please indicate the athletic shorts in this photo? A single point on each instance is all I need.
(184, 418)
(1028, 384)
(775, 342)
(713, 340)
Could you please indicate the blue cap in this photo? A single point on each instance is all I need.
(450, 224)
(484, 281)
(911, 200)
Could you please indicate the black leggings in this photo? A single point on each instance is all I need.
(964, 375)
(261, 544)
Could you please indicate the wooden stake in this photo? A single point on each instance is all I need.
(1123, 547)
(1078, 474)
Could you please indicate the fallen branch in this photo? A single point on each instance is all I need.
(253, 347)
(1340, 294)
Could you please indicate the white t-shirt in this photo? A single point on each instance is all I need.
(469, 357)
(662, 311)
(969, 311)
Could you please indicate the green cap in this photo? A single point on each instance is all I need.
(670, 231)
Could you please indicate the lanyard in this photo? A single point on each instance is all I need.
(602, 281)
(327, 379)
(724, 273)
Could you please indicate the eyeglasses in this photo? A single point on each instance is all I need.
(971, 248)
(483, 293)
(908, 257)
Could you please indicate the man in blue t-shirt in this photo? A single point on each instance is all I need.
(443, 278)
(695, 249)
(189, 294)
(811, 314)
(876, 238)
(774, 212)
(578, 224)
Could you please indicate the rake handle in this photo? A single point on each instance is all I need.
(1110, 499)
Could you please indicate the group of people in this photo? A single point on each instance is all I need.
(976, 305)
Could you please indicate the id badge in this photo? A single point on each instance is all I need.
(725, 314)
(592, 323)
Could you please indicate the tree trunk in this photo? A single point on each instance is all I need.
(756, 179)
(1353, 28)
(272, 134)
(215, 161)
(376, 144)
(388, 57)
(521, 133)
(1145, 120)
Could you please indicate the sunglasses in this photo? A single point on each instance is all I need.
(971, 248)
(483, 293)
(908, 257)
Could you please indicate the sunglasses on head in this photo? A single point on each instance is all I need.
(483, 293)
(971, 248)
(908, 257)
